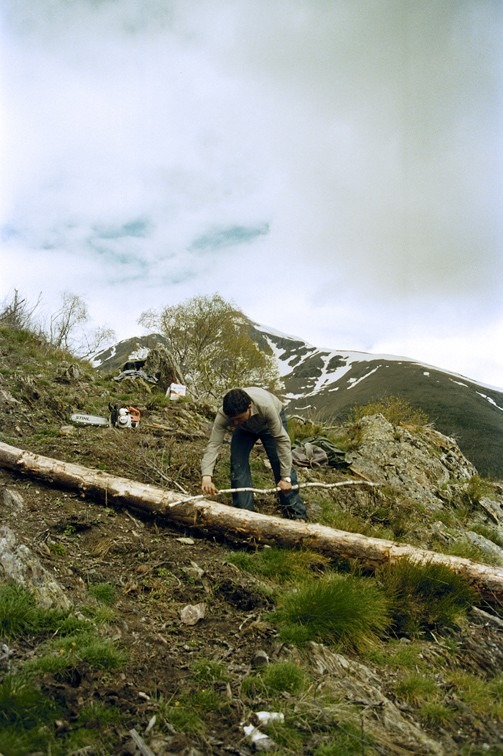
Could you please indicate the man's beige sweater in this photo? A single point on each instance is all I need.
(265, 413)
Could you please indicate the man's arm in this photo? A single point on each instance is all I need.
(283, 446)
(211, 453)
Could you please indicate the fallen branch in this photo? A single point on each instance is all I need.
(276, 490)
(240, 525)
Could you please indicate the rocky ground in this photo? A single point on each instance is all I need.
(62, 545)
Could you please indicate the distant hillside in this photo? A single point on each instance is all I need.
(114, 358)
(329, 383)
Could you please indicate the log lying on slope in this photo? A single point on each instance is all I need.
(238, 524)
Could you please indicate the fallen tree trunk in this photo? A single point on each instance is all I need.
(240, 525)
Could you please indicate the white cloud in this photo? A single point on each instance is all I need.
(363, 138)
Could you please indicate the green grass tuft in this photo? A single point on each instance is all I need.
(26, 717)
(103, 592)
(206, 670)
(417, 688)
(281, 565)
(395, 409)
(425, 596)
(343, 610)
(347, 739)
(277, 679)
(20, 615)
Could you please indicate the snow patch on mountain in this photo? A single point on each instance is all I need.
(490, 400)
(292, 351)
(355, 381)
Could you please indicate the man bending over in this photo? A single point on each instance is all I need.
(254, 414)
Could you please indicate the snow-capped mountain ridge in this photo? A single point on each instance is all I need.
(328, 383)
(351, 356)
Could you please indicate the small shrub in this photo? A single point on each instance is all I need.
(477, 488)
(346, 610)
(298, 429)
(188, 710)
(482, 696)
(424, 596)
(57, 548)
(27, 717)
(277, 679)
(24, 705)
(416, 688)
(102, 654)
(20, 615)
(469, 550)
(182, 718)
(284, 677)
(64, 654)
(491, 533)
(395, 409)
(100, 615)
(341, 520)
(280, 565)
(103, 592)
(205, 700)
(206, 670)
(286, 736)
(396, 655)
(347, 739)
(435, 713)
(96, 715)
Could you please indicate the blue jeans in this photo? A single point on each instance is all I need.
(242, 443)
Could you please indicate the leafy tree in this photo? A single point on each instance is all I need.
(16, 314)
(210, 339)
(62, 323)
(65, 328)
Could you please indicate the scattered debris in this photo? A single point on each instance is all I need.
(259, 740)
(260, 659)
(140, 743)
(192, 613)
(195, 571)
(132, 373)
(266, 717)
(176, 391)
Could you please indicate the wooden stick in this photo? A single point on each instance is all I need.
(276, 490)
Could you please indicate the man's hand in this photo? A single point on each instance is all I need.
(207, 486)
(285, 485)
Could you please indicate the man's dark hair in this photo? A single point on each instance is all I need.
(236, 401)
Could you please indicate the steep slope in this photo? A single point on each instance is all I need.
(190, 688)
(328, 384)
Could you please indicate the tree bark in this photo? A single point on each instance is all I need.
(240, 525)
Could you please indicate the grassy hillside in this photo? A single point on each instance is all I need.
(349, 661)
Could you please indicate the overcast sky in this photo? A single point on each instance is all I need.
(332, 167)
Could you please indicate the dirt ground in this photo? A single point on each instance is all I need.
(157, 571)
